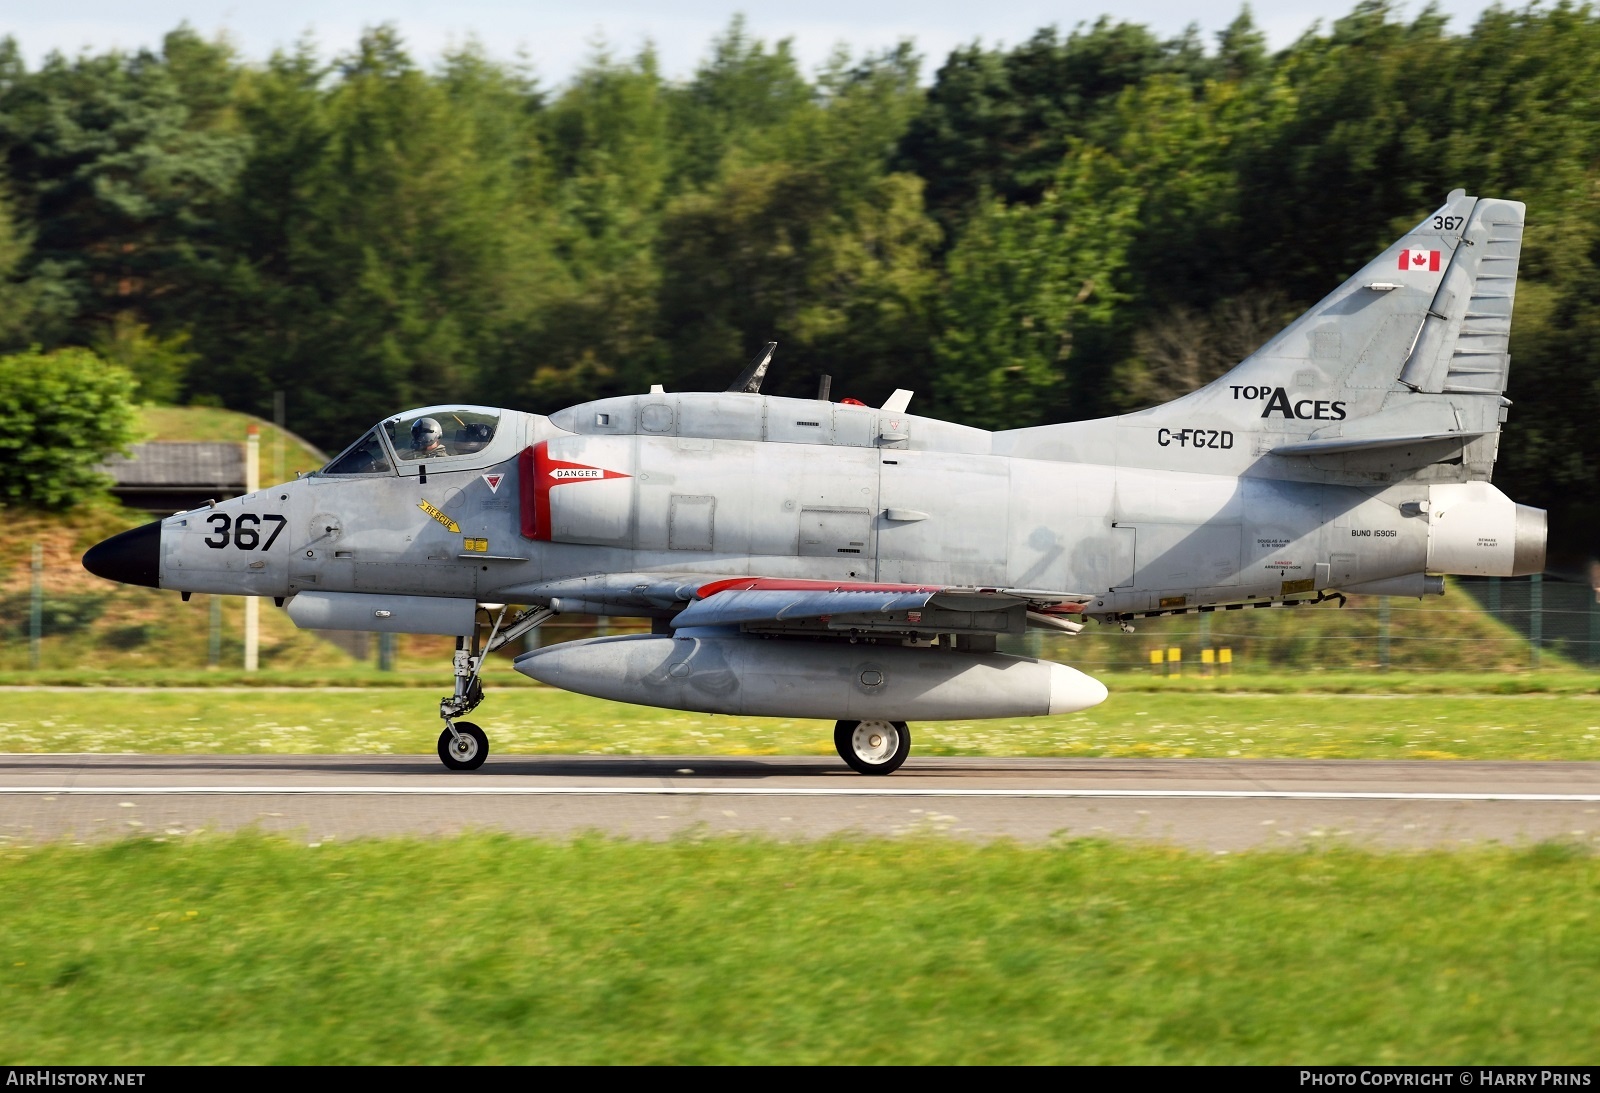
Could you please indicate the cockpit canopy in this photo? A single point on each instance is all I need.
(446, 435)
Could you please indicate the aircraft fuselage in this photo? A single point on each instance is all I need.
(731, 485)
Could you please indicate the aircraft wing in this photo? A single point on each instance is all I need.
(748, 600)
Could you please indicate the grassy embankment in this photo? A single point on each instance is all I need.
(497, 950)
(96, 625)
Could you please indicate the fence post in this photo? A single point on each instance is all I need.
(252, 604)
(278, 417)
(1383, 633)
(386, 652)
(1594, 627)
(214, 642)
(36, 607)
(1535, 618)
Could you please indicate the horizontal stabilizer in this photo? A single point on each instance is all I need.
(1334, 445)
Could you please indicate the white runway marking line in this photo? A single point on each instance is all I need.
(773, 791)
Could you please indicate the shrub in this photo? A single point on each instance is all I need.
(61, 414)
(59, 614)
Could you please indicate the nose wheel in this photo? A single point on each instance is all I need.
(464, 749)
(872, 747)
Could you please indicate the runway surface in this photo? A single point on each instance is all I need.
(1202, 803)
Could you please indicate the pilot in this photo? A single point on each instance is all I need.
(427, 439)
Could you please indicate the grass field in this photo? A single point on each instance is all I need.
(536, 720)
(337, 672)
(490, 949)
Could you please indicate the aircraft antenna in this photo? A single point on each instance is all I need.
(749, 381)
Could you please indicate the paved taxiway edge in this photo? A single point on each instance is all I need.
(771, 791)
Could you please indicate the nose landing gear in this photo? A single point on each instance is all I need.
(463, 745)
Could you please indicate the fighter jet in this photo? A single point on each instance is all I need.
(819, 559)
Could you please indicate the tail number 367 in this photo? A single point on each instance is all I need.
(243, 531)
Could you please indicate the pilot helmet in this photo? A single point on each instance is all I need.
(425, 434)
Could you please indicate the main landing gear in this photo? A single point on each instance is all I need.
(463, 745)
(872, 747)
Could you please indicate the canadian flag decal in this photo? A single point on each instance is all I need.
(540, 474)
(1420, 260)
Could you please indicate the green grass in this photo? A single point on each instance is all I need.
(428, 668)
(537, 720)
(497, 950)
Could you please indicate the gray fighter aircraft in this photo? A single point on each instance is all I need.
(806, 558)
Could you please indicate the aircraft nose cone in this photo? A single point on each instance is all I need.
(133, 557)
(1071, 690)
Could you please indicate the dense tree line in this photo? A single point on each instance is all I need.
(1087, 222)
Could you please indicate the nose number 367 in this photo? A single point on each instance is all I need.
(243, 531)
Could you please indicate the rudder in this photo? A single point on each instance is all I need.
(1464, 344)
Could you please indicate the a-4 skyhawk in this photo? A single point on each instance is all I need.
(806, 558)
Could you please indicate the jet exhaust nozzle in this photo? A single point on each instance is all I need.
(1477, 531)
(1531, 537)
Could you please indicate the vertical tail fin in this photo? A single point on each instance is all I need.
(1431, 313)
(1397, 373)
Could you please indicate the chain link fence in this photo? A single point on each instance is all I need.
(1480, 624)
(55, 616)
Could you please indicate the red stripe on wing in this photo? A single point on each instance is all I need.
(787, 584)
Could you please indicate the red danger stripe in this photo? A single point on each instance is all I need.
(540, 474)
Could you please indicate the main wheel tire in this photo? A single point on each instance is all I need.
(872, 747)
(466, 753)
